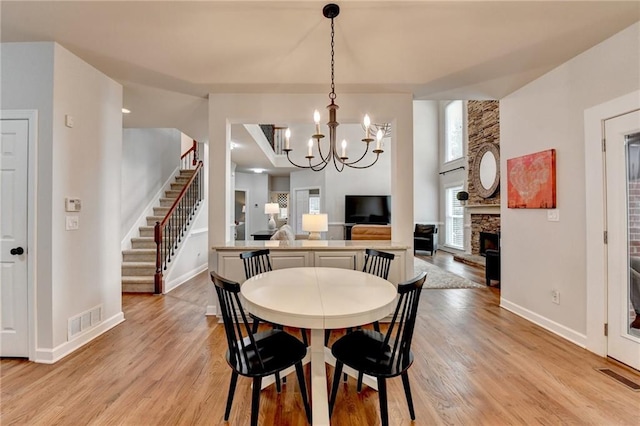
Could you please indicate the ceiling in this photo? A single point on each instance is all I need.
(169, 55)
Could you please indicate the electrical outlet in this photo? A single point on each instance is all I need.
(555, 296)
(553, 215)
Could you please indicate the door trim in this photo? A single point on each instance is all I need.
(596, 265)
(32, 176)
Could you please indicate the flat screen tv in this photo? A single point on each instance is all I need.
(373, 209)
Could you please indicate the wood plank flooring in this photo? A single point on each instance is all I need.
(475, 364)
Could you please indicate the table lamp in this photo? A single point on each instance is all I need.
(271, 209)
(314, 224)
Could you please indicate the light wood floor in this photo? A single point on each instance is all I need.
(475, 364)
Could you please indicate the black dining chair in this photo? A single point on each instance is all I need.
(378, 263)
(382, 356)
(255, 355)
(256, 262)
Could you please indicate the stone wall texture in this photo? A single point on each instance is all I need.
(482, 223)
(483, 126)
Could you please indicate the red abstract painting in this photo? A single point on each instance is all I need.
(531, 181)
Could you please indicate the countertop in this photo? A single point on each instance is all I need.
(310, 244)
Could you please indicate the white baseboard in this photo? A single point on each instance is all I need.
(50, 356)
(211, 311)
(552, 326)
(178, 281)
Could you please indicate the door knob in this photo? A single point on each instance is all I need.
(17, 251)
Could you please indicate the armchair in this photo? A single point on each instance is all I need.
(425, 237)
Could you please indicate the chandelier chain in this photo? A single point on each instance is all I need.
(339, 159)
(332, 95)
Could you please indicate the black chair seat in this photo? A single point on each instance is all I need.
(255, 355)
(365, 351)
(382, 355)
(277, 350)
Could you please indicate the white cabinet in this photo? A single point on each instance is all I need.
(336, 259)
(230, 266)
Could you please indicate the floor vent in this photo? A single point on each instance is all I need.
(628, 383)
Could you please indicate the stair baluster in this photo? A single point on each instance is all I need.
(168, 233)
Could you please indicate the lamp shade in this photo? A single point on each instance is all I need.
(314, 224)
(271, 208)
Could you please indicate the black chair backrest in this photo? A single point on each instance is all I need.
(234, 320)
(255, 262)
(377, 262)
(400, 333)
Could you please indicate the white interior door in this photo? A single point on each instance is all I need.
(14, 319)
(622, 155)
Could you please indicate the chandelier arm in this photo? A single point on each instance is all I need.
(310, 166)
(316, 167)
(359, 159)
(337, 160)
(363, 167)
(322, 157)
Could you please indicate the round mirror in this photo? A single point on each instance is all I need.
(488, 168)
(485, 173)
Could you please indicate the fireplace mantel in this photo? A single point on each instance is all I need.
(483, 208)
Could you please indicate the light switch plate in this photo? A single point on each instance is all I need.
(73, 223)
(68, 120)
(553, 215)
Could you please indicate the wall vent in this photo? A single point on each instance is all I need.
(84, 321)
(621, 379)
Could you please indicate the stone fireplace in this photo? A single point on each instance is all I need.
(485, 224)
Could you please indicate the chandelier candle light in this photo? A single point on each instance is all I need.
(330, 11)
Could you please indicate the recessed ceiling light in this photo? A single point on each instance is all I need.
(125, 111)
(234, 145)
(258, 170)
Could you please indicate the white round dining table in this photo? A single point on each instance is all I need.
(318, 298)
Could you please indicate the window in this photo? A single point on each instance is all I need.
(454, 219)
(453, 119)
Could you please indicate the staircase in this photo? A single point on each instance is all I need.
(139, 263)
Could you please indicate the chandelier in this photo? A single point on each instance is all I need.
(340, 160)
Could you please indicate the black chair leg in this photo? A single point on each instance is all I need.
(376, 326)
(232, 390)
(382, 396)
(256, 323)
(334, 387)
(278, 383)
(255, 400)
(360, 377)
(407, 393)
(303, 390)
(327, 333)
(303, 332)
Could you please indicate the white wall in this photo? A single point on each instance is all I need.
(537, 255)
(279, 183)
(186, 143)
(150, 157)
(425, 162)
(75, 270)
(375, 180)
(257, 187)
